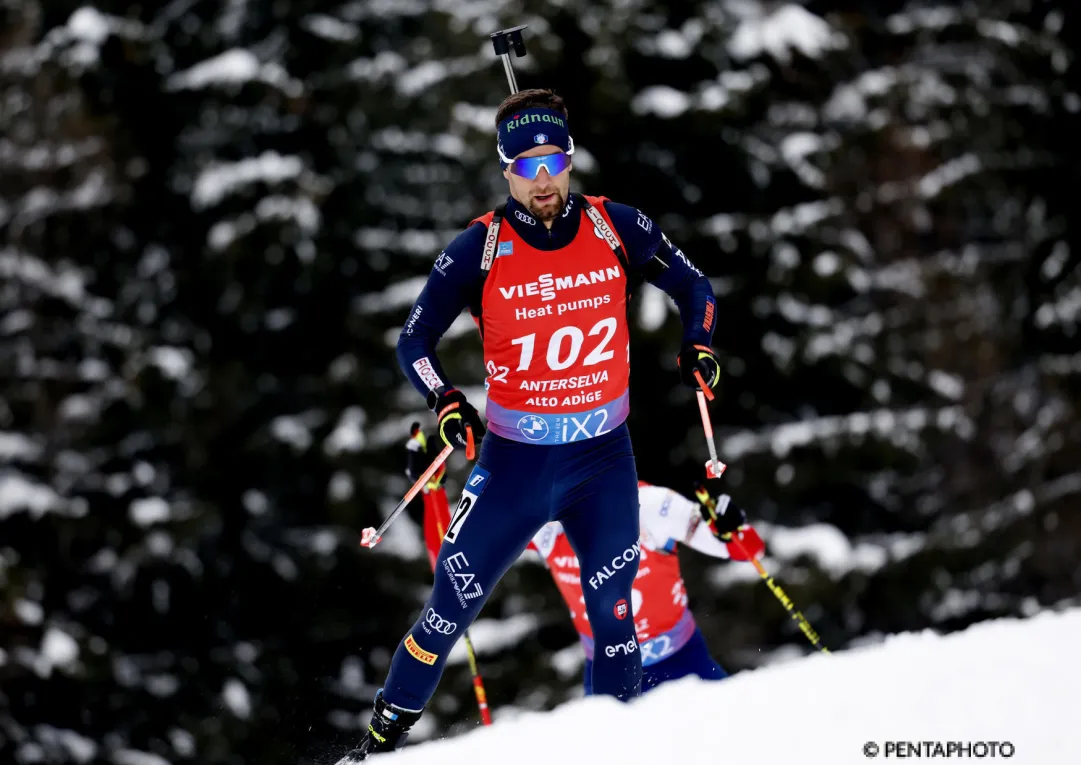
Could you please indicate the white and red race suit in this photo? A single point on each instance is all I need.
(662, 621)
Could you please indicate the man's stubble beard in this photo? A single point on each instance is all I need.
(552, 209)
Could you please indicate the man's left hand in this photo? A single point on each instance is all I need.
(701, 359)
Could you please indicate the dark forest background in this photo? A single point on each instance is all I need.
(214, 217)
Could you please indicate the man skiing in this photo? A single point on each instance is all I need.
(546, 277)
(668, 638)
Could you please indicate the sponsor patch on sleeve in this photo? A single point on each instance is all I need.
(426, 372)
(418, 653)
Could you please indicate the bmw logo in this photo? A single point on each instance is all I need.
(533, 427)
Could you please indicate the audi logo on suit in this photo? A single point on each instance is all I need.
(439, 624)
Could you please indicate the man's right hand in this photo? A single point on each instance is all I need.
(458, 422)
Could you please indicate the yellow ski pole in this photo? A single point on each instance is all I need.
(714, 469)
(776, 589)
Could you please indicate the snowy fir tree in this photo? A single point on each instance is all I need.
(215, 218)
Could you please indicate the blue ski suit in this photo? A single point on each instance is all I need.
(537, 465)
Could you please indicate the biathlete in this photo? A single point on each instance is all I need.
(546, 276)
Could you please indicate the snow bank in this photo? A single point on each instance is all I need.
(1000, 681)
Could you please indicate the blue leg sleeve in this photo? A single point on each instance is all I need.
(505, 500)
(597, 502)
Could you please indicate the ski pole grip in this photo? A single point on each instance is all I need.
(470, 446)
(702, 384)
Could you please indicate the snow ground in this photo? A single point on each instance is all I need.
(1008, 681)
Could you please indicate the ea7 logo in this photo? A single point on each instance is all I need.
(644, 223)
(462, 579)
(443, 262)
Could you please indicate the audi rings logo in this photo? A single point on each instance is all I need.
(439, 624)
(527, 219)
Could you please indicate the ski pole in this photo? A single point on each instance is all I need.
(776, 589)
(371, 537)
(503, 41)
(478, 683)
(714, 468)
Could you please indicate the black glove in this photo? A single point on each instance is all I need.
(723, 515)
(418, 458)
(702, 359)
(458, 422)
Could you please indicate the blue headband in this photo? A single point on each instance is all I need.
(529, 128)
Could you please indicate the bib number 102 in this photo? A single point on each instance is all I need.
(560, 355)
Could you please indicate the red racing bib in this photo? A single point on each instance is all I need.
(555, 334)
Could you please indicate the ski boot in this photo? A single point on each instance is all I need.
(387, 731)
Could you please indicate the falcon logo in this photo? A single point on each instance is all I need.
(630, 555)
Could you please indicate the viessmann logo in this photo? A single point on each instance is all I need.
(548, 285)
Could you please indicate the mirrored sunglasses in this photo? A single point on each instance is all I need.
(529, 167)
